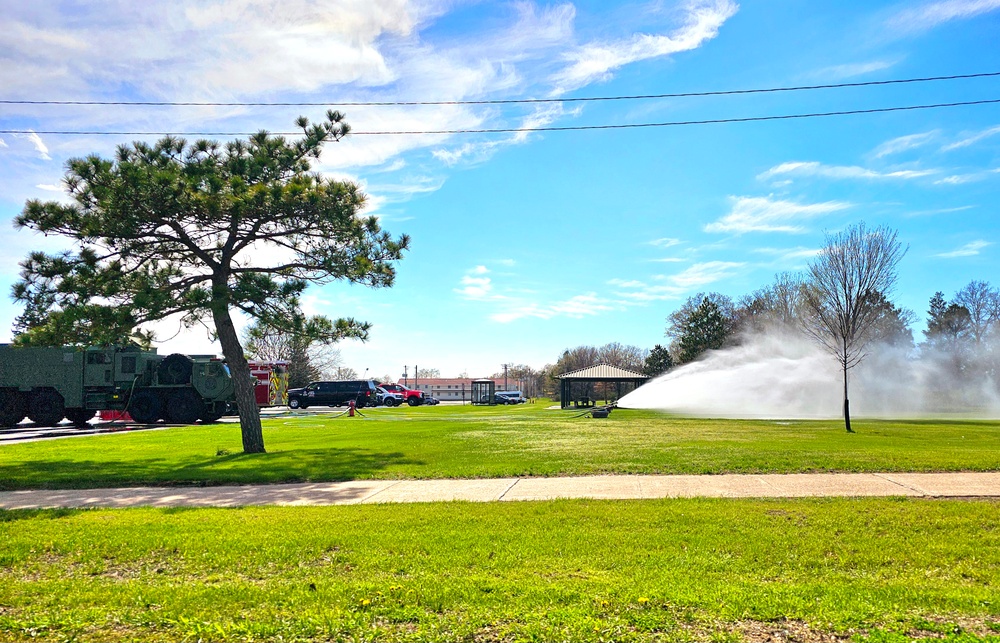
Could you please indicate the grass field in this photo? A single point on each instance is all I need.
(457, 441)
(889, 570)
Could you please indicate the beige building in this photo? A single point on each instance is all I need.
(446, 389)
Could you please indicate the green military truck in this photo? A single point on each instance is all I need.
(49, 384)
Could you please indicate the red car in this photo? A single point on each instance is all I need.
(412, 397)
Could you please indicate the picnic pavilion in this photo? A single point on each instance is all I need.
(575, 390)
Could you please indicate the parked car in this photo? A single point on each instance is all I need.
(387, 398)
(509, 397)
(412, 397)
(337, 393)
(431, 400)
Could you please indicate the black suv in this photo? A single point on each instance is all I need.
(336, 393)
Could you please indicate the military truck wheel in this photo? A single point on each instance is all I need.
(145, 407)
(175, 369)
(79, 417)
(209, 416)
(184, 406)
(12, 408)
(46, 407)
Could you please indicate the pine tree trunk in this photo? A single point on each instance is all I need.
(243, 381)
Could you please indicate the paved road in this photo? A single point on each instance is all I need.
(926, 485)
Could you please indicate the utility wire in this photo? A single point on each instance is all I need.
(512, 101)
(507, 130)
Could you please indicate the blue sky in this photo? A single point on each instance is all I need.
(524, 244)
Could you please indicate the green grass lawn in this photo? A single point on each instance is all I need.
(880, 570)
(457, 441)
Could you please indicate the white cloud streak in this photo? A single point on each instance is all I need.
(665, 242)
(903, 143)
(851, 70)
(968, 250)
(972, 139)
(972, 177)
(764, 214)
(932, 14)
(813, 168)
(576, 307)
(665, 287)
(596, 61)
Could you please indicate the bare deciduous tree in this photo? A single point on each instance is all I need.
(983, 304)
(309, 359)
(849, 280)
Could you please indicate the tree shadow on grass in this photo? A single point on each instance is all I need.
(306, 465)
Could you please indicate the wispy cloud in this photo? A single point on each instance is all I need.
(798, 252)
(813, 168)
(851, 70)
(764, 214)
(36, 141)
(664, 287)
(932, 14)
(665, 242)
(903, 143)
(576, 307)
(482, 151)
(925, 213)
(596, 61)
(972, 139)
(971, 177)
(968, 250)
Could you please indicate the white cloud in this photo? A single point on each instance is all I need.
(674, 286)
(668, 260)
(903, 143)
(704, 273)
(36, 141)
(665, 242)
(850, 70)
(475, 285)
(482, 151)
(922, 213)
(972, 139)
(959, 179)
(2, 143)
(764, 214)
(596, 61)
(576, 307)
(789, 254)
(813, 168)
(931, 14)
(968, 250)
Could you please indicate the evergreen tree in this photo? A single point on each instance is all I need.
(200, 230)
(705, 329)
(658, 361)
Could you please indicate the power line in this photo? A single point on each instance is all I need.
(513, 101)
(510, 130)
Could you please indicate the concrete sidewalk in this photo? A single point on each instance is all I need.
(612, 487)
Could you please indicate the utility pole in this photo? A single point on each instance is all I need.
(416, 376)
(505, 376)
(406, 377)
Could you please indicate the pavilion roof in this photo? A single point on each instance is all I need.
(602, 372)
